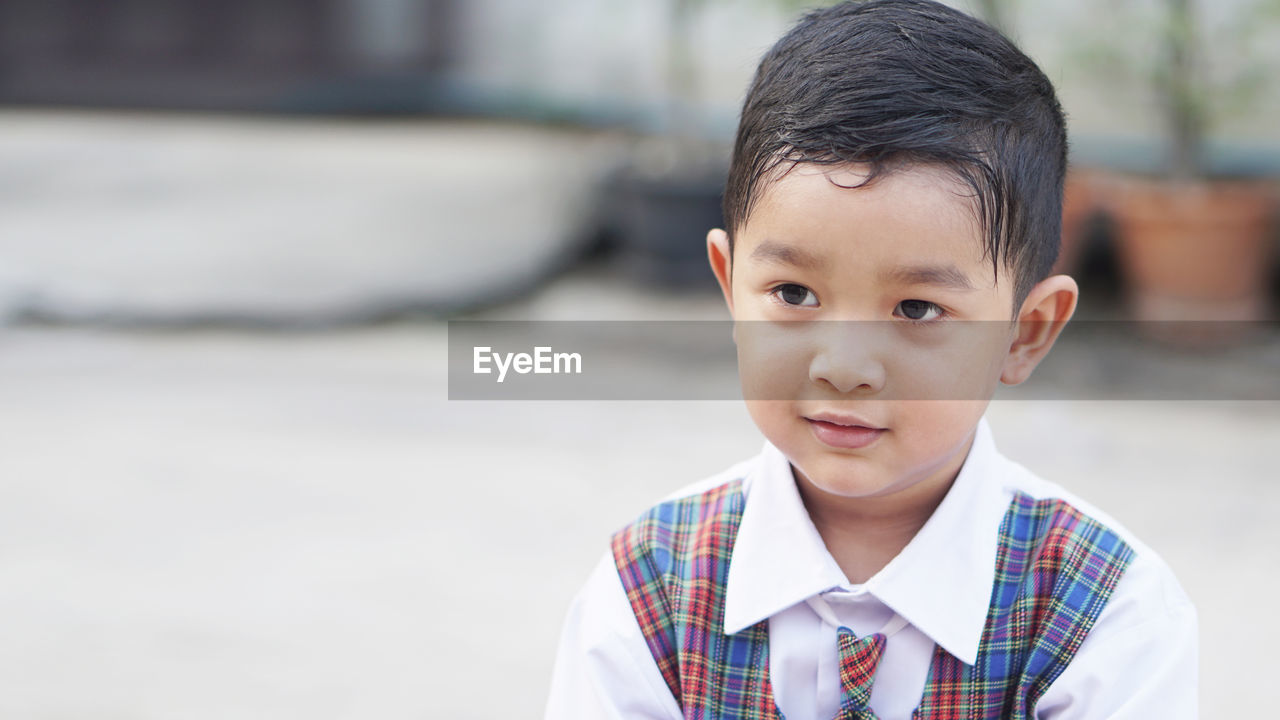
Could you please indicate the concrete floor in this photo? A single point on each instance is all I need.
(224, 524)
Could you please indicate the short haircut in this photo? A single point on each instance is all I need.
(893, 83)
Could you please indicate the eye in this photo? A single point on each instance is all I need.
(793, 294)
(918, 310)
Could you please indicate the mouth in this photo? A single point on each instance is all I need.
(843, 431)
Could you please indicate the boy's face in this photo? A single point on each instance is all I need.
(887, 397)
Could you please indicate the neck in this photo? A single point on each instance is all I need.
(864, 533)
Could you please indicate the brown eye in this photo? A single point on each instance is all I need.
(918, 310)
(793, 294)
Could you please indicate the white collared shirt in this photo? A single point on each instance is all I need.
(1139, 661)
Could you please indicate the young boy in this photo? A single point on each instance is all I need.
(898, 175)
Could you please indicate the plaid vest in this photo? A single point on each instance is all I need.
(1055, 571)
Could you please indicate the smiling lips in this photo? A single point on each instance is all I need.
(843, 432)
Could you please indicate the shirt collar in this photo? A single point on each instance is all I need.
(940, 582)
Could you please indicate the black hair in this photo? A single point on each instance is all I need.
(892, 83)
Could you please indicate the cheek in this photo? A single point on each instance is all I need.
(940, 423)
(932, 432)
(773, 359)
(773, 418)
(959, 362)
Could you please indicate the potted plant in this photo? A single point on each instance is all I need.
(669, 192)
(667, 195)
(1194, 244)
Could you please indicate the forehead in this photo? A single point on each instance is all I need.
(917, 212)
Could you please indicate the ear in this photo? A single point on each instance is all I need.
(721, 264)
(1044, 313)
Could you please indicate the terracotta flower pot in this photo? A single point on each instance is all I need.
(1079, 203)
(1195, 251)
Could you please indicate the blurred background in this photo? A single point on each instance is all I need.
(231, 482)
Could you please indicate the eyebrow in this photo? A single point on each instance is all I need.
(947, 276)
(770, 251)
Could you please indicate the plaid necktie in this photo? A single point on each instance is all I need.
(859, 658)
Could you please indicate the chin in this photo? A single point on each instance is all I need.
(853, 486)
(846, 476)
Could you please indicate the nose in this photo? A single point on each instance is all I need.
(847, 358)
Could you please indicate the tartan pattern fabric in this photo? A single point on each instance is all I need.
(1055, 571)
(859, 658)
(673, 563)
